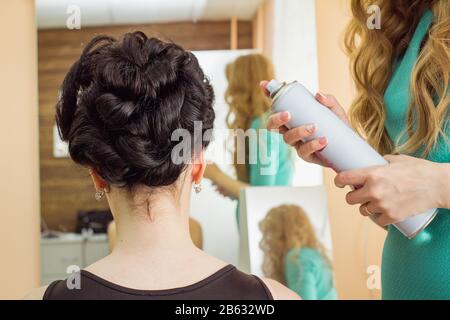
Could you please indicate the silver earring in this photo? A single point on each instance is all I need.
(198, 187)
(99, 195)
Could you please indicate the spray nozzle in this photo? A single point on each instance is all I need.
(272, 87)
(263, 85)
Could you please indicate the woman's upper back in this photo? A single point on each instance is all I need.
(226, 284)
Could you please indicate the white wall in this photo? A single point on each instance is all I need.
(294, 55)
(53, 13)
(19, 141)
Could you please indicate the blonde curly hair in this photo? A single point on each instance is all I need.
(373, 54)
(285, 228)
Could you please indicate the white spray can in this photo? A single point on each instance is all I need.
(346, 150)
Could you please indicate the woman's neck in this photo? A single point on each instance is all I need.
(155, 238)
(153, 230)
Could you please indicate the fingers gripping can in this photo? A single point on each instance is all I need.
(345, 150)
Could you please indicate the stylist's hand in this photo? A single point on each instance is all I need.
(295, 137)
(392, 193)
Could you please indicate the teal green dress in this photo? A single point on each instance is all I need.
(308, 273)
(271, 162)
(417, 268)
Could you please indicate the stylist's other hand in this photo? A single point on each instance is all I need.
(295, 137)
(392, 193)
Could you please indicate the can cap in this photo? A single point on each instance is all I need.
(273, 86)
(263, 84)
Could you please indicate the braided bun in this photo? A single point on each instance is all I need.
(121, 102)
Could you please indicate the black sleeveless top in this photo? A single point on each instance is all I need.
(226, 284)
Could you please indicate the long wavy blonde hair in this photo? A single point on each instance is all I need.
(373, 54)
(245, 98)
(285, 228)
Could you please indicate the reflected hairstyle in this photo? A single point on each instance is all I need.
(283, 229)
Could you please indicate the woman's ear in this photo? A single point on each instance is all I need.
(99, 183)
(198, 167)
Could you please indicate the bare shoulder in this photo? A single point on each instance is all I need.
(36, 294)
(279, 291)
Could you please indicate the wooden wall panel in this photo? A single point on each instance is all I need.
(66, 187)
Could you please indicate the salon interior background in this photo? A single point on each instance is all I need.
(36, 184)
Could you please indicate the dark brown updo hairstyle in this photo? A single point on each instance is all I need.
(121, 102)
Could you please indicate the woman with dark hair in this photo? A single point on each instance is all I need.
(120, 106)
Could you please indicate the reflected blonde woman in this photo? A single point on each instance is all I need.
(249, 109)
(294, 256)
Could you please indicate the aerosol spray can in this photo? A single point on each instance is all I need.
(346, 150)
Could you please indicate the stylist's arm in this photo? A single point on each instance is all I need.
(391, 193)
